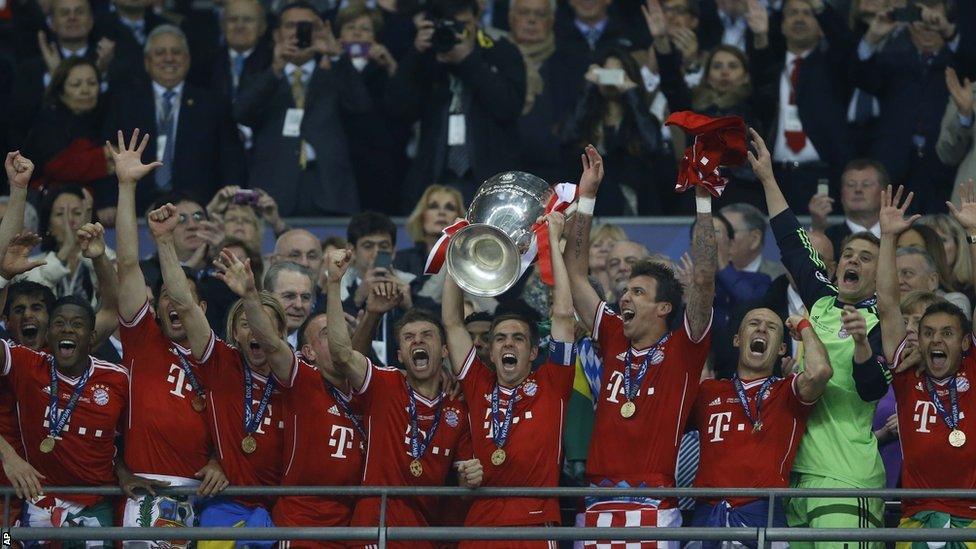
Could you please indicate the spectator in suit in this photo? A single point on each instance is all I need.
(591, 29)
(956, 146)
(908, 77)
(748, 238)
(616, 119)
(192, 132)
(810, 139)
(245, 53)
(65, 140)
(71, 25)
(956, 248)
(467, 97)
(377, 141)
(294, 287)
(128, 26)
(860, 198)
(623, 256)
(917, 271)
(301, 247)
(295, 106)
(864, 109)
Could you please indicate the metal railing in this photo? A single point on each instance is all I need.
(383, 533)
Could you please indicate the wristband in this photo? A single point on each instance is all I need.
(585, 205)
(703, 204)
(3, 282)
(801, 325)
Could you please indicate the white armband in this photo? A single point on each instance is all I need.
(703, 204)
(585, 205)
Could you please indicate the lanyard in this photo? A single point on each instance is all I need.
(500, 428)
(632, 386)
(190, 376)
(951, 420)
(344, 404)
(419, 444)
(744, 400)
(57, 419)
(252, 419)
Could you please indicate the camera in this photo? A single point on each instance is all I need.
(908, 14)
(447, 34)
(303, 34)
(246, 197)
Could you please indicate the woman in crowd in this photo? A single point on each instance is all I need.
(376, 141)
(63, 210)
(615, 117)
(602, 238)
(926, 238)
(244, 213)
(956, 248)
(437, 208)
(65, 139)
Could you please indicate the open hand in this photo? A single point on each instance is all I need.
(128, 158)
(162, 221)
(91, 240)
(384, 296)
(961, 92)
(756, 17)
(965, 214)
(25, 479)
(592, 175)
(759, 158)
(19, 169)
(17, 258)
(236, 274)
(892, 216)
(654, 18)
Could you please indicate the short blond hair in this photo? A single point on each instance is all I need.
(267, 300)
(607, 230)
(415, 223)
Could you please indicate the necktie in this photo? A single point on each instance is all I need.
(689, 453)
(457, 155)
(298, 95)
(795, 140)
(166, 127)
(863, 106)
(139, 31)
(238, 70)
(592, 36)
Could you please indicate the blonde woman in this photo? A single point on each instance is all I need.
(956, 248)
(437, 208)
(602, 238)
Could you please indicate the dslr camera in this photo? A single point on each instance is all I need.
(447, 34)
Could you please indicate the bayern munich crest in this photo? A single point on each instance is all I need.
(100, 395)
(451, 417)
(962, 384)
(657, 356)
(530, 388)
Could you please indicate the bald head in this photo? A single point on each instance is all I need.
(825, 248)
(299, 246)
(620, 262)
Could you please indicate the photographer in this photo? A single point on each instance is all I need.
(467, 90)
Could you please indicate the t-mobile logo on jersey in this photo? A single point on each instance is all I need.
(925, 417)
(178, 378)
(341, 440)
(615, 388)
(718, 424)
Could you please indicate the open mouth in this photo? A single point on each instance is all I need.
(851, 276)
(254, 345)
(174, 319)
(29, 331)
(627, 315)
(66, 348)
(757, 347)
(938, 358)
(509, 360)
(421, 358)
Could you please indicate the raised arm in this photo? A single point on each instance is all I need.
(383, 298)
(347, 360)
(91, 239)
(237, 275)
(19, 170)
(562, 315)
(129, 169)
(893, 223)
(161, 223)
(577, 254)
(704, 257)
(812, 381)
(459, 341)
(965, 214)
(762, 166)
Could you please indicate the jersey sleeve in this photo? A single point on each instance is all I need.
(693, 353)
(376, 385)
(465, 448)
(294, 373)
(797, 404)
(871, 378)
(562, 365)
(19, 355)
(606, 324)
(473, 375)
(801, 259)
(136, 332)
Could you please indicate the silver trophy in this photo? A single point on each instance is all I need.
(485, 258)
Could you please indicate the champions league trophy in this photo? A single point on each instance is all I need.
(488, 256)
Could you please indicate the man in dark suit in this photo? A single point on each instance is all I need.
(468, 98)
(127, 25)
(193, 134)
(240, 50)
(301, 153)
(809, 138)
(908, 78)
(860, 197)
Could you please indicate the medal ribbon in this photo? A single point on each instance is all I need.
(632, 386)
(346, 411)
(251, 418)
(58, 419)
(190, 376)
(952, 420)
(418, 444)
(500, 428)
(744, 400)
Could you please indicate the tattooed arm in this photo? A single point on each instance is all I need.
(704, 255)
(577, 253)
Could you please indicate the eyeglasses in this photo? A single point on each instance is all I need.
(197, 216)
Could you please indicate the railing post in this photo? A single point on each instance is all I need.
(769, 521)
(381, 542)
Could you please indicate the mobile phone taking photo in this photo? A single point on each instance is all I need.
(303, 33)
(383, 260)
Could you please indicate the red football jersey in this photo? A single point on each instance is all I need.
(728, 444)
(383, 400)
(164, 435)
(85, 449)
(642, 449)
(222, 373)
(929, 461)
(322, 448)
(534, 446)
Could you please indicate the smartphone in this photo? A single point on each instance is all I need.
(908, 14)
(303, 32)
(246, 196)
(823, 186)
(610, 77)
(383, 259)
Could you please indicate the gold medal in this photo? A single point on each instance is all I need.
(198, 403)
(628, 409)
(757, 426)
(47, 445)
(498, 457)
(957, 438)
(416, 469)
(249, 445)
